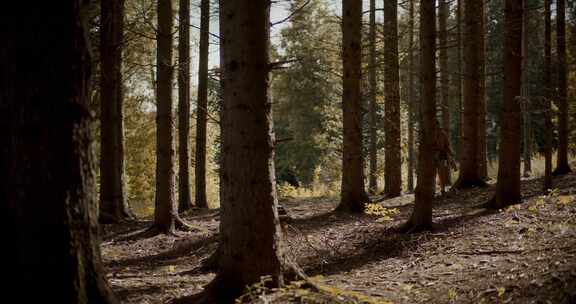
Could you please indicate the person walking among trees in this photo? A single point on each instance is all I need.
(443, 155)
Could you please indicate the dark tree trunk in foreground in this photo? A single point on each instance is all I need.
(113, 205)
(443, 12)
(373, 180)
(470, 141)
(353, 197)
(250, 234)
(508, 184)
(562, 166)
(200, 161)
(411, 97)
(184, 202)
(548, 97)
(393, 159)
(165, 212)
(421, 218)
(47, 164)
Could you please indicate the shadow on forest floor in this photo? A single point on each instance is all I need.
(526, 251)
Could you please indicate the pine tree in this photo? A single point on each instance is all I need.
(508, 183)
(470, 141)
(184, 202)
(201, 109)
(562, 166)
(353, 196)
(113, 203)
(421, 218)
(393, 159)
(250, 234)
(48, 189)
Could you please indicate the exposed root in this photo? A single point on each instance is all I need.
(183, 226)
(467, 184)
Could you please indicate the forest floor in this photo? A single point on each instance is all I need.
(523, 254)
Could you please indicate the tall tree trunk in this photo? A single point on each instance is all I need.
(184, 202)
(525, 96)
(113, 204)
(47, 165)
(353, 197)
(393, 159)
(483, 147)
(508, 184)
(469, 167)
(549, 126)
(201, 114)
(373, 182)
(460, 79)
(165, 212)
(421, 218)
(443, 11)
(250, 234)
(562, 166)
(411, 97)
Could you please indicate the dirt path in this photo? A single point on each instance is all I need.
(524, 254)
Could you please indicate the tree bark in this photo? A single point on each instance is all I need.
(165, 212)
(184, 202)
(527, 153)
(47, 162)
(469, 163)
(113, 204)
(393, 159)
(508, 184)
(459, 43)
(353, 196)
(201, 114)
(443, 11)
(483, 147)
(411, 97)
(421, 218)
(250, 235)
(373, 181)
(548, 97)
(562, 166)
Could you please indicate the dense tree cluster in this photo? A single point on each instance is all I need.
(328, 100)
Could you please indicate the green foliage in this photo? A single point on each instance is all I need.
(140, 156)
(305, 94)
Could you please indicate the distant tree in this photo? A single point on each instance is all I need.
(166, 216)
(373, 150)
(421, 218)
(508, 184)
(482, 112)
(526, 136)
(393, 158)
(411, 96)
(184, 202)
(562, 166)
(113, 203)
(443, 12)
(202, 106)
(47, 161)
(549, 126)
(470, 142)
(250, 235)
(353, 196)
(460, 73)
